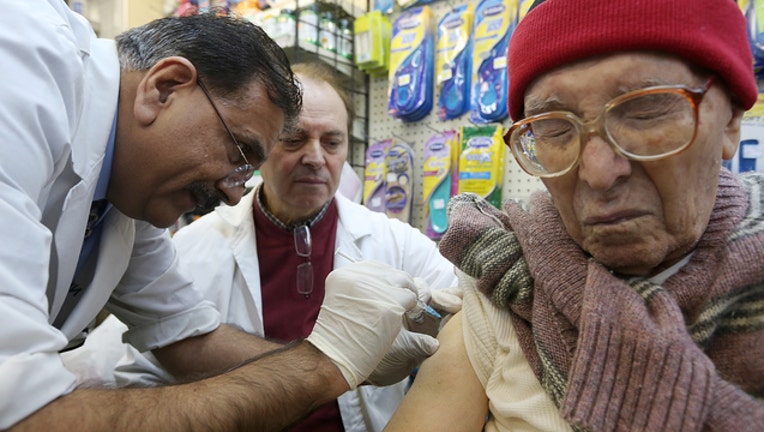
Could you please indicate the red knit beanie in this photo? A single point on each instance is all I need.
(707, 33)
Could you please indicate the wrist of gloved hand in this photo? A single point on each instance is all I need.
(361, 316)
(408, 351)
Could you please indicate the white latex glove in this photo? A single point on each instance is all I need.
(448, 300)
(408, 352)
(361, 316)
(441, 302)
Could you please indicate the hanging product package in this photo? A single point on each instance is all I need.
(453, 63)
(399, 181)
(439, 172)
(374, 175)
(754, 13)
(481, 163)
(412, 54)
(495, 20)
(372, 43)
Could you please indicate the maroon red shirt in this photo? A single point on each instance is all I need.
(288, 315)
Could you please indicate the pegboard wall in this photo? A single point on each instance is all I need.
(517, 184)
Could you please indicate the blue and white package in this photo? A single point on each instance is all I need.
(495, 20)
(412, 49)
(454, 62)
(754, 13)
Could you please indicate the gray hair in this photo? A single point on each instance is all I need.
(228, 53)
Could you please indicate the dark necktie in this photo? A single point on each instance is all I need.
(97, 211)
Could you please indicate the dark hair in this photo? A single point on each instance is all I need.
(228, 53)
(321, 72)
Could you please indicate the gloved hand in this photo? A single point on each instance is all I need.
(441, 302)
(448, 300)
(408, 351)
(361, 316)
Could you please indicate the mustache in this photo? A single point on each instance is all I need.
(304, 171)
(207, 197)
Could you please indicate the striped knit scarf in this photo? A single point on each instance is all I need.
(626, 355)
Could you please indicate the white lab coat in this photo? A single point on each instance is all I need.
(220, 253)
(58, 97)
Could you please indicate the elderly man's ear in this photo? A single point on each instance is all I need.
(732, 133)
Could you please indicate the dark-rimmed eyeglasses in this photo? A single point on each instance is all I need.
(239, 176)
(643, 125)
(303, 247)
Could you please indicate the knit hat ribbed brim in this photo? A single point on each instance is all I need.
(707, 33)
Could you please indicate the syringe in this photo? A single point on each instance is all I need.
(418, 313)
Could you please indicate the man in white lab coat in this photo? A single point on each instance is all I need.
(101, 145)
(256, 281)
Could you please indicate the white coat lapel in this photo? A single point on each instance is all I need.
(88, 145)
(244, 249)
(349, 234)
(69, 234)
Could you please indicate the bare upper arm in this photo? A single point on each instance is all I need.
(446, 394)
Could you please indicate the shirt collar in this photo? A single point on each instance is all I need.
(103, 178)
(277, 222)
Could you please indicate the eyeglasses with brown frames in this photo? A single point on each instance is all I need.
(642, 125)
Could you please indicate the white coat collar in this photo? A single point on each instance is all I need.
(240, 213)
(103, 78)
(87, 147)
(351, 214)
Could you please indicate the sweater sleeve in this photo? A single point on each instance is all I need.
(516, 400)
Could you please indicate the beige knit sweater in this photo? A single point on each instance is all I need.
(517, 403)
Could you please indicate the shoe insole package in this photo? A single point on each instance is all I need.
(453, 62)
(412, 46)
(374, 175)
(754, 13)
(399, 181)
(495, 21)
(481, 163)
(439, 171)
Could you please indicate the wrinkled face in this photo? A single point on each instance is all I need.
(302, 172)
(179, 152)
(636, 217)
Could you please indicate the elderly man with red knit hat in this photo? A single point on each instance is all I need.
(626, 297)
